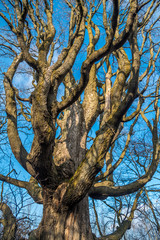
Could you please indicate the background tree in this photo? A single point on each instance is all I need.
(18, 215)
(83, 107)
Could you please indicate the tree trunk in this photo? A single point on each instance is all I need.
(63, 223)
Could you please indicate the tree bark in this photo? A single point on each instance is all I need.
(63, 223)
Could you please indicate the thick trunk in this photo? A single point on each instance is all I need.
(59, 223)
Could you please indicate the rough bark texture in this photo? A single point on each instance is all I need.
(63, 170)
(60, 223)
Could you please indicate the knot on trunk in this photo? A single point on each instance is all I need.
(65, 168)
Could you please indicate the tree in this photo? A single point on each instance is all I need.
(121, 41)
(17, 218)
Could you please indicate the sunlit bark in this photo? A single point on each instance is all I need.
(63, 170)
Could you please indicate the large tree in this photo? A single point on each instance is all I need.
(106, 71)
